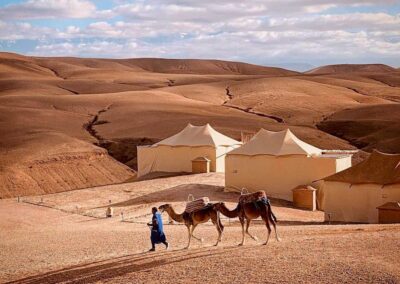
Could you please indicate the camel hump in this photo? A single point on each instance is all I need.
(197, 204)
(253, 197)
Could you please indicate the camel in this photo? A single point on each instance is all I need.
(191, 220)
(248, 212)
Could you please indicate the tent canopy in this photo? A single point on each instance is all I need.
(379, 168)
(194, 136)
(276, 144)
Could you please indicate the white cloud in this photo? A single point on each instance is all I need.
(269, 30)
(23, 30)
(351, 21)
(52, 9)
(248, 46)
(211, 11)
(96, 48)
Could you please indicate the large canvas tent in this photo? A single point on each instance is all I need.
(175, 154)
(277, 162)
(353, 195)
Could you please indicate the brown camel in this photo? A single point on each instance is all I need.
(248, 212)
(191, 220)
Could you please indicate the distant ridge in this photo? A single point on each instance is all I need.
(347, 68)
(204, 66)
(154, 65)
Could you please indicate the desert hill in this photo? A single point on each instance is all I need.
(199, 66)
(351, 68)
(368, 127)
(70, 123)
(162, 65)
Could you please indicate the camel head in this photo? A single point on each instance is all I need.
(164, 207)
(218, 205)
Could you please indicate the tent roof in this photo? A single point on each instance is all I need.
(390, 206)
(379, 168)
(276, 144)
(201, 159)
(203, 135)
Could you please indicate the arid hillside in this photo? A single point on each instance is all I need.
(347, 68)
(70, 123)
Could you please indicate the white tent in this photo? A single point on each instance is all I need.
(354, 194)
(175, 154)
(277, 162)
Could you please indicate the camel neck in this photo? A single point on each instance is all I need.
(175, 216)
(229, 213)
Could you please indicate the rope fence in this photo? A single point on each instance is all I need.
(124, 216)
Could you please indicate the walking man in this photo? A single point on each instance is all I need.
(157, 233)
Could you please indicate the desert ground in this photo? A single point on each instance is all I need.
(69, 128)
(64, 238)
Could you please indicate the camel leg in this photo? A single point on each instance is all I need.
(190, 236)
(196, 238)
(248, 221)
(242, 223)
(220, 227)
(274, 225)
(276, 233)
(265, 218)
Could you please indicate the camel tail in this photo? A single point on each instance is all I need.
(268, 203)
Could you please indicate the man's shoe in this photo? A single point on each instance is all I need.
(166, 246)
(152, 249)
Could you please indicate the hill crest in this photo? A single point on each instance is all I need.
(350, 68)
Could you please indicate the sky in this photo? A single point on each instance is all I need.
(286, 33)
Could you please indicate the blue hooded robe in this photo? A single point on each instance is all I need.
(157, 232)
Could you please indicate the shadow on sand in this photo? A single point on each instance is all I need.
(102, 270)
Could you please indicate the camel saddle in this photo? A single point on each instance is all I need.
(197, 204)
(252, 197)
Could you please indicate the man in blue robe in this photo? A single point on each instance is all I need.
(157, 233)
